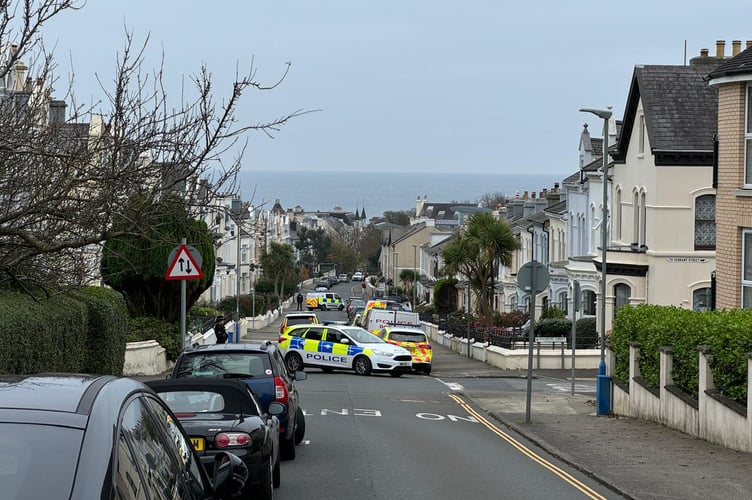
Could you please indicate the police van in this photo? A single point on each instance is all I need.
(325, 301)
(331, 347)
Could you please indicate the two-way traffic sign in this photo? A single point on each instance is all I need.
(183, 266)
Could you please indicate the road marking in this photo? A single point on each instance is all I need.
(564, 475)
(568, 387)
(452, 385)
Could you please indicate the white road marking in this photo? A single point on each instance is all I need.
(452, 385)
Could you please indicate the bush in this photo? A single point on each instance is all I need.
(513, 319)
(553, 328)
(164, 332)
(552, 312)
(587, 335)
(445, 296)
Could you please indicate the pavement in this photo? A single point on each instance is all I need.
(634, 458)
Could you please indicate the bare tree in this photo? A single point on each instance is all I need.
(65, 179)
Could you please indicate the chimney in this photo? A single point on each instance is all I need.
(736, 47)
(532, 195)
(556, 187)
(748, 44)
(704, 52)
(720, 48)
(524, 196)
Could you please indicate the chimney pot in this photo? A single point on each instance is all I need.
(736, 47)
(748, 44)
(720, 48)
(704, 52)
(532, 195)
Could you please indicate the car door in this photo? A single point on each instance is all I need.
(340, 357)
(311, 346)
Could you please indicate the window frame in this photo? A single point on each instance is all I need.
(709, 221)
(746, 281)
(621, 300)
(748, 138)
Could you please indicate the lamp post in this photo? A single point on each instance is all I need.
(394, 274)
(415, 276)
(603, 386)
(237, 290)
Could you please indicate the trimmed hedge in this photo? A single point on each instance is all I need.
(727, 333)
(165, 333)
(79, 331)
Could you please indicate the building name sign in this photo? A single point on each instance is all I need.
(700, 260)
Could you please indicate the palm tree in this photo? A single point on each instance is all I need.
(481, 247)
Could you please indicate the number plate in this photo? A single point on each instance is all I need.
(198, 443)
(405, 363)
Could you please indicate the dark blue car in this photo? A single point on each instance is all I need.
(261, 366)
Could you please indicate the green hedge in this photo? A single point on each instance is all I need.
(78, 331)
(727, 333)
(165, 333)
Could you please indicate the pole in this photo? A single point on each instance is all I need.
(575, 306)
(183, 334)
(468, 318)
(603, 392)
(415, 277)
(530, 338)
(237, 289)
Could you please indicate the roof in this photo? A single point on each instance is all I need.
(441, 210)
(738, 65)
(680, 109)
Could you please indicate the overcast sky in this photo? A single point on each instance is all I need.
(408, 85)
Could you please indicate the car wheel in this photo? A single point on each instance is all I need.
(362, 365)
(395, 374)
(427, 370)
(341, 307)
(287, 448)
(264, 489)
(294, 362)
(276, 474)
(322, 307)
(299, 426)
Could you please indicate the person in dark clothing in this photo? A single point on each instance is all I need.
(219, 330)
(300, 301)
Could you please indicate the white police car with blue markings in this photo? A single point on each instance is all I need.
(331, 347)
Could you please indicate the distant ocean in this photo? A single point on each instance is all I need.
(380, 191)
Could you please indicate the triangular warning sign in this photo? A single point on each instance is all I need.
(184, 266)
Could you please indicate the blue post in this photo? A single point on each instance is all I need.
(603, 390)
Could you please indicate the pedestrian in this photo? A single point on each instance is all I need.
(219, 330)
(300, 301)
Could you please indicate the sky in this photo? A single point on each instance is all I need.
(405, 85)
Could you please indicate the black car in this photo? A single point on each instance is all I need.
(261, 366)
(222, 414)
(78, 437)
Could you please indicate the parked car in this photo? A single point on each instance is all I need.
(262, 367)
(358, 276)
(415, 341)
(78, 437)
(333, 280)
(331, 347)
(343, 278)
(324, 284)
(352, 304)
(222, 414)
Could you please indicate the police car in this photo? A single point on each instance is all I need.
(331, 347)
(412, 339)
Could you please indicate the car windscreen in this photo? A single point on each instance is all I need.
(212, 364)
(211, 400)
(38, 461)
(407, 337)
(362, 336)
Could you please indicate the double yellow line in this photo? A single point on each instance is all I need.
(565, 476)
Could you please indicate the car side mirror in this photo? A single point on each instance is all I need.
(344, 341)
(230, 474)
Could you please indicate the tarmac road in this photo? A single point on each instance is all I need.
(638, 459)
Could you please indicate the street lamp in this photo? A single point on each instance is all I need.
(603, 386)
(415, 276)
(394, 274)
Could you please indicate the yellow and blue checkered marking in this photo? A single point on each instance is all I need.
(323, 346)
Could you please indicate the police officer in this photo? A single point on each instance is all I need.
(300, 301)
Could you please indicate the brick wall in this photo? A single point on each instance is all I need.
(732, 212)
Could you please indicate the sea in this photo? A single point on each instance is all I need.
(378, 192)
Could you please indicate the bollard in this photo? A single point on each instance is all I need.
(603, 391)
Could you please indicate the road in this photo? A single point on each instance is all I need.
(417, 436)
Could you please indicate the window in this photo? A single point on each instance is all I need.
(617, 208)
(643, 220)
(588, 302)
(701, 299)
(636, 218)
(748, 140)
(641, 138)
(747, 269)
(622, 293)
(563, 302)
(705, 222)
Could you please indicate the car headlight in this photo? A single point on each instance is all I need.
(379, 352)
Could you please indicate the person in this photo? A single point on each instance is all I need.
(219, 330)
(300, 301)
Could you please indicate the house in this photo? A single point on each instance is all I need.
(661, 243)
(733, 210)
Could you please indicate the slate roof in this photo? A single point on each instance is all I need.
(738, 65)
(680, 110)
(557, 208)
(440, 210)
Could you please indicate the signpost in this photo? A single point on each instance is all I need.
(184, 263)
(532, 278)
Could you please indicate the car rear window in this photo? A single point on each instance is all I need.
(299, 321)
(211, 364)
(407, 337)
(194, 401)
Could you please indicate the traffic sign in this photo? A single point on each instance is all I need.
(533, 275)
(183, 266)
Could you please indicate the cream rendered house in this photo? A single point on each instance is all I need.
(662, 239)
